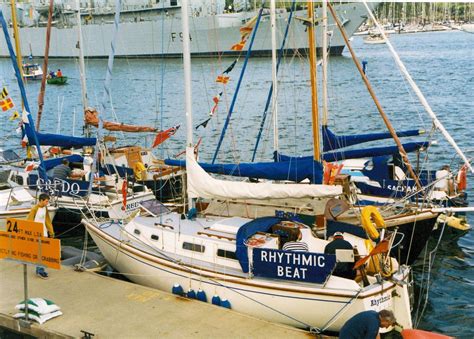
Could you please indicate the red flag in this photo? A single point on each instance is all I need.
(382, 247)
(164, 135)
(217, 98)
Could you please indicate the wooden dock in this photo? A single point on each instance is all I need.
(111, 308)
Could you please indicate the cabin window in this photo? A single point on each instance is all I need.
(18, 179)
(136, 231)
(154, 237)
(226, 254)
(193, 247)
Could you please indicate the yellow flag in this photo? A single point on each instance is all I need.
(14, 116)
(4, 93)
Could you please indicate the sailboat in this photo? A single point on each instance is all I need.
(238, 262)
(134, 163)
(112, 198)
(413, 226)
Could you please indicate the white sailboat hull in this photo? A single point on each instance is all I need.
(163, 37)
(310, 306)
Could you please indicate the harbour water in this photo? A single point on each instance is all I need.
(151, 92)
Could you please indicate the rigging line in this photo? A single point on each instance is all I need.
(192, 271)
(249, 50)
(418, 92)
(432, 256)
(270, 91)
(41, 168)
(108, 78)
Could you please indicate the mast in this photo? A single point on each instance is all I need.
(82, 67)
(325, 63)
(419, 94)
(17, 38)
(314, 91)
(274, 77)
(45, 66)
(376, 101)
(187, 81)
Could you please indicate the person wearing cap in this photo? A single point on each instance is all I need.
(342, 269)
(366, 325)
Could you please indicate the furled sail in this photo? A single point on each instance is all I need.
(49, 139)
(332, 141)
(91, 117)
(202, 185)
(358, 153)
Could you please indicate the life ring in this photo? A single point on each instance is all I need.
(138, 169)
(370, 215)
(462, 179)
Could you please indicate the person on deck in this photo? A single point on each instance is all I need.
(59, 73)
(366, 325)
(298, 245)
(343, 269)
(62, 171)
(444, 180)
(39, 213)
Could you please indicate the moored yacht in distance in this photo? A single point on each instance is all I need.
(148, 30)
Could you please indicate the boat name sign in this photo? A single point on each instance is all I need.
(293, 265)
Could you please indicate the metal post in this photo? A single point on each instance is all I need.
(25, 323)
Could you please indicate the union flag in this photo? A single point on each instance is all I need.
(222, 79)
(6, 104)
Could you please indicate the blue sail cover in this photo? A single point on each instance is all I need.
(245, 231)
(47, 139)
(357, 153)
(296, 170)
(332, 141)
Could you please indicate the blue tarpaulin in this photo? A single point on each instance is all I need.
(294, 170)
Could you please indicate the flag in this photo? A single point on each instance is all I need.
(24, 122)
(15, 115)
(6, 104)
(238, 46)
(222, 79)
(4, 93)
(382, 247)
(246, 29)
(217, 98)
(230, 68)
(203, 124)
(163, 135)
(31, 167)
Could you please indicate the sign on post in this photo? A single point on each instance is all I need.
(24, 241)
